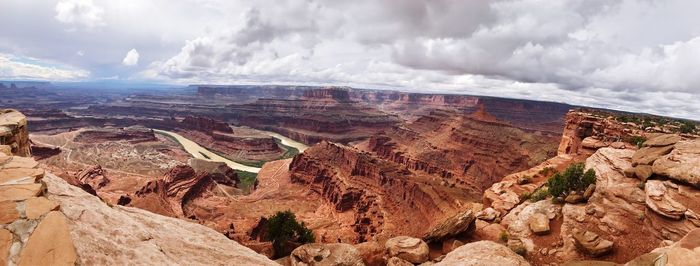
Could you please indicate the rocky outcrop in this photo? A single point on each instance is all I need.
(681, 164)
(123, 235)
(182, 184)
(584, 132)
(33, 230)
(483, 253)
(14, 132)
(326, 255)
(591, 243)
(407, 248)
(508, 193)
(205, 124)
(94, 176)
(451, 227)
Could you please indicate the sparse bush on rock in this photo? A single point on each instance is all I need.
(572, 179)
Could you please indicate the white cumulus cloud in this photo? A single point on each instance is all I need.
(131, 58)
(12, 67)
(79, 13)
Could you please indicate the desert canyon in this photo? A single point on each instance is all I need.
(191, 176)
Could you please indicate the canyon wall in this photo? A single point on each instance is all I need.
(384, 197)
(468, 150)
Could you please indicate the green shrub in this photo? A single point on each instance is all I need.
(520, 250)
(525, 196)
(283, 230)
(637, 141)
(503, 236)
(572, 179)
(539, 194)
(687, 127)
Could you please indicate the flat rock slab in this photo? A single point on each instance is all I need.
(19, 162)
(20, 192)
(5, 244)
(10, 174)
(8, 212)
(50, 243)
(662, 140)
(648, 155)
(36, 207)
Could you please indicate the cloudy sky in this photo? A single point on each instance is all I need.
(636, 55)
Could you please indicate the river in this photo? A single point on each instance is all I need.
(198, 151)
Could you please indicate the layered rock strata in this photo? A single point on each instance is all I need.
(14, 135)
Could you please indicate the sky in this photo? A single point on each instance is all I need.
(633, 55)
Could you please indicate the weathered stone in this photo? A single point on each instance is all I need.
(452, 226)
(482, 253)
(539, 223)
(50, 243)
(19, 162)
(8, 212)
(662, 140)
(647, 155)
(20, 192)
(450, 245)
(517, 246)
(682, 164)
(488, 214)
(5, 244)
(326, 254)
(6, 150)
(36, 207)
(593, 143)
(591, 243)
(589, 191)
(118, 235)
(408, 248)
(658, 200)
(16, 175)
(394, 261)
(643, 172)
(573, 198)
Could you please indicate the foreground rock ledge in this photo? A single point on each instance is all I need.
(125, 236)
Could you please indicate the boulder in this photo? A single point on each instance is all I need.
(482, 253)
(647, 155)
(662, 140)
(372, 253)
(488, 214)
(394, 261)
(6, 150)
(659, 200)
(642, 172)
(574, 198)
(590, 243)
(539, 223)
(408, 248)
(450, 227)
(593, 143)
(682, 164)
(326, 254)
